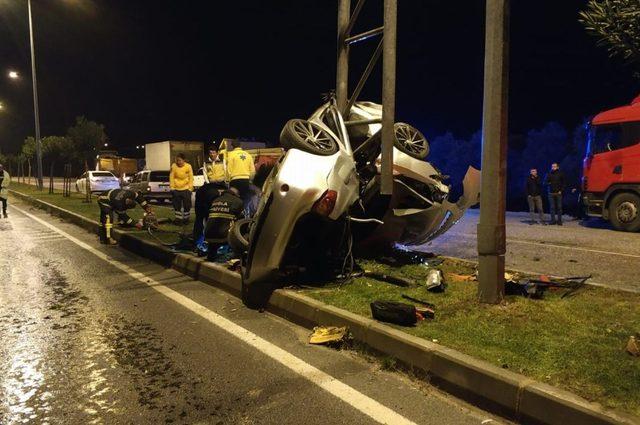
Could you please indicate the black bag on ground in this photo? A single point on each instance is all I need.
(394, 312)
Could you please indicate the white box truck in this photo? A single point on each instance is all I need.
(160, 155)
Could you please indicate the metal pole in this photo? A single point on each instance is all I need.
(388, 94)
(342, 75)
(491, 228)
(35, 102)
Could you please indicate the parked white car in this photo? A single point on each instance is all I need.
(98, 181)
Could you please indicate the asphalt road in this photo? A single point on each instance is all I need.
(578, 248)
(93, 334)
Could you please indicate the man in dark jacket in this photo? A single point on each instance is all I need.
(555, 183)
(534, 195)
(224, 211)
(118, 201)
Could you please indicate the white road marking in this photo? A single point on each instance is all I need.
(571, 248)
(344, 392)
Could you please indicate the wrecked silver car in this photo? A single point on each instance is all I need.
(322, 201)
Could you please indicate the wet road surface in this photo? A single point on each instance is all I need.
(574, 249)
(81, 341)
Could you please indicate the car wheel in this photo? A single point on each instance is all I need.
(410, 140)
(624, 212)
(308, 137)
(239, 236)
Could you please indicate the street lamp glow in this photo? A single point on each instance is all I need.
(1, 106)
(106, 144)
(14, 75)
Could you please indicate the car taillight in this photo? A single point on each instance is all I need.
(324, 206)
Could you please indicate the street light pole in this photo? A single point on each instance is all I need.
(491, 227)
(35, 102)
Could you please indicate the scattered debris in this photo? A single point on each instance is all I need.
(536, 258)
(428, 312)
(327, 334)
(395, 280)
(535, 288)
(435, 281)
(573, 261)
(233, 264)
(633, 345)
(394, 312)
(401, 257)
(462, 277)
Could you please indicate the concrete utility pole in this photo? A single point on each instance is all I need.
(388, 94)
(491, 228)
(342, 76)
(35, 102)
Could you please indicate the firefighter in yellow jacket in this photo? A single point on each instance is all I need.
(181, 183)
(240, 170)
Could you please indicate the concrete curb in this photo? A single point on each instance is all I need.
(499, 390)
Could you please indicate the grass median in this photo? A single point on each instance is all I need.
(576, 343)
(91, 210)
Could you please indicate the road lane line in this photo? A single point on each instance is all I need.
(571, 248)
(344, 392)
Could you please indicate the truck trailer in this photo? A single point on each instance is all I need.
(160, 155)
(611, 167)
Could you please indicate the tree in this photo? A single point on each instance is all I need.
(616, 23)
(55, 148)
(87, 138)
(29, 152)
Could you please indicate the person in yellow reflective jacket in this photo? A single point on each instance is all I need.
(240, 170)
(215, 169)
(181, 183)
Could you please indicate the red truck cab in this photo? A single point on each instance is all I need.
(611, 167)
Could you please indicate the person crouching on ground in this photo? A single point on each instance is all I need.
(5, 179)
(534, 195)
(214, 186)
(118, 201)
(181, 183)
(555, 183)
(224, 211)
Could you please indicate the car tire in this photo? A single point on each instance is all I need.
(238, 236)
(624, 212)
(410, 140)
(308, 137)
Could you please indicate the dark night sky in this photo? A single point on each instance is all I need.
(201, 70)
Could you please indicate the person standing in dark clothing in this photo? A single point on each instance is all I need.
(5, 179)
(213, 187)
(534, 195)
(224, 211)
(555, 183)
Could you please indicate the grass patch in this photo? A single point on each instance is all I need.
(576, 343)
(91, 210)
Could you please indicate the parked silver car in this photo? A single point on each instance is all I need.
(154, 185)
(322, 199)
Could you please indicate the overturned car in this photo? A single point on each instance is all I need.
(321, 201)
